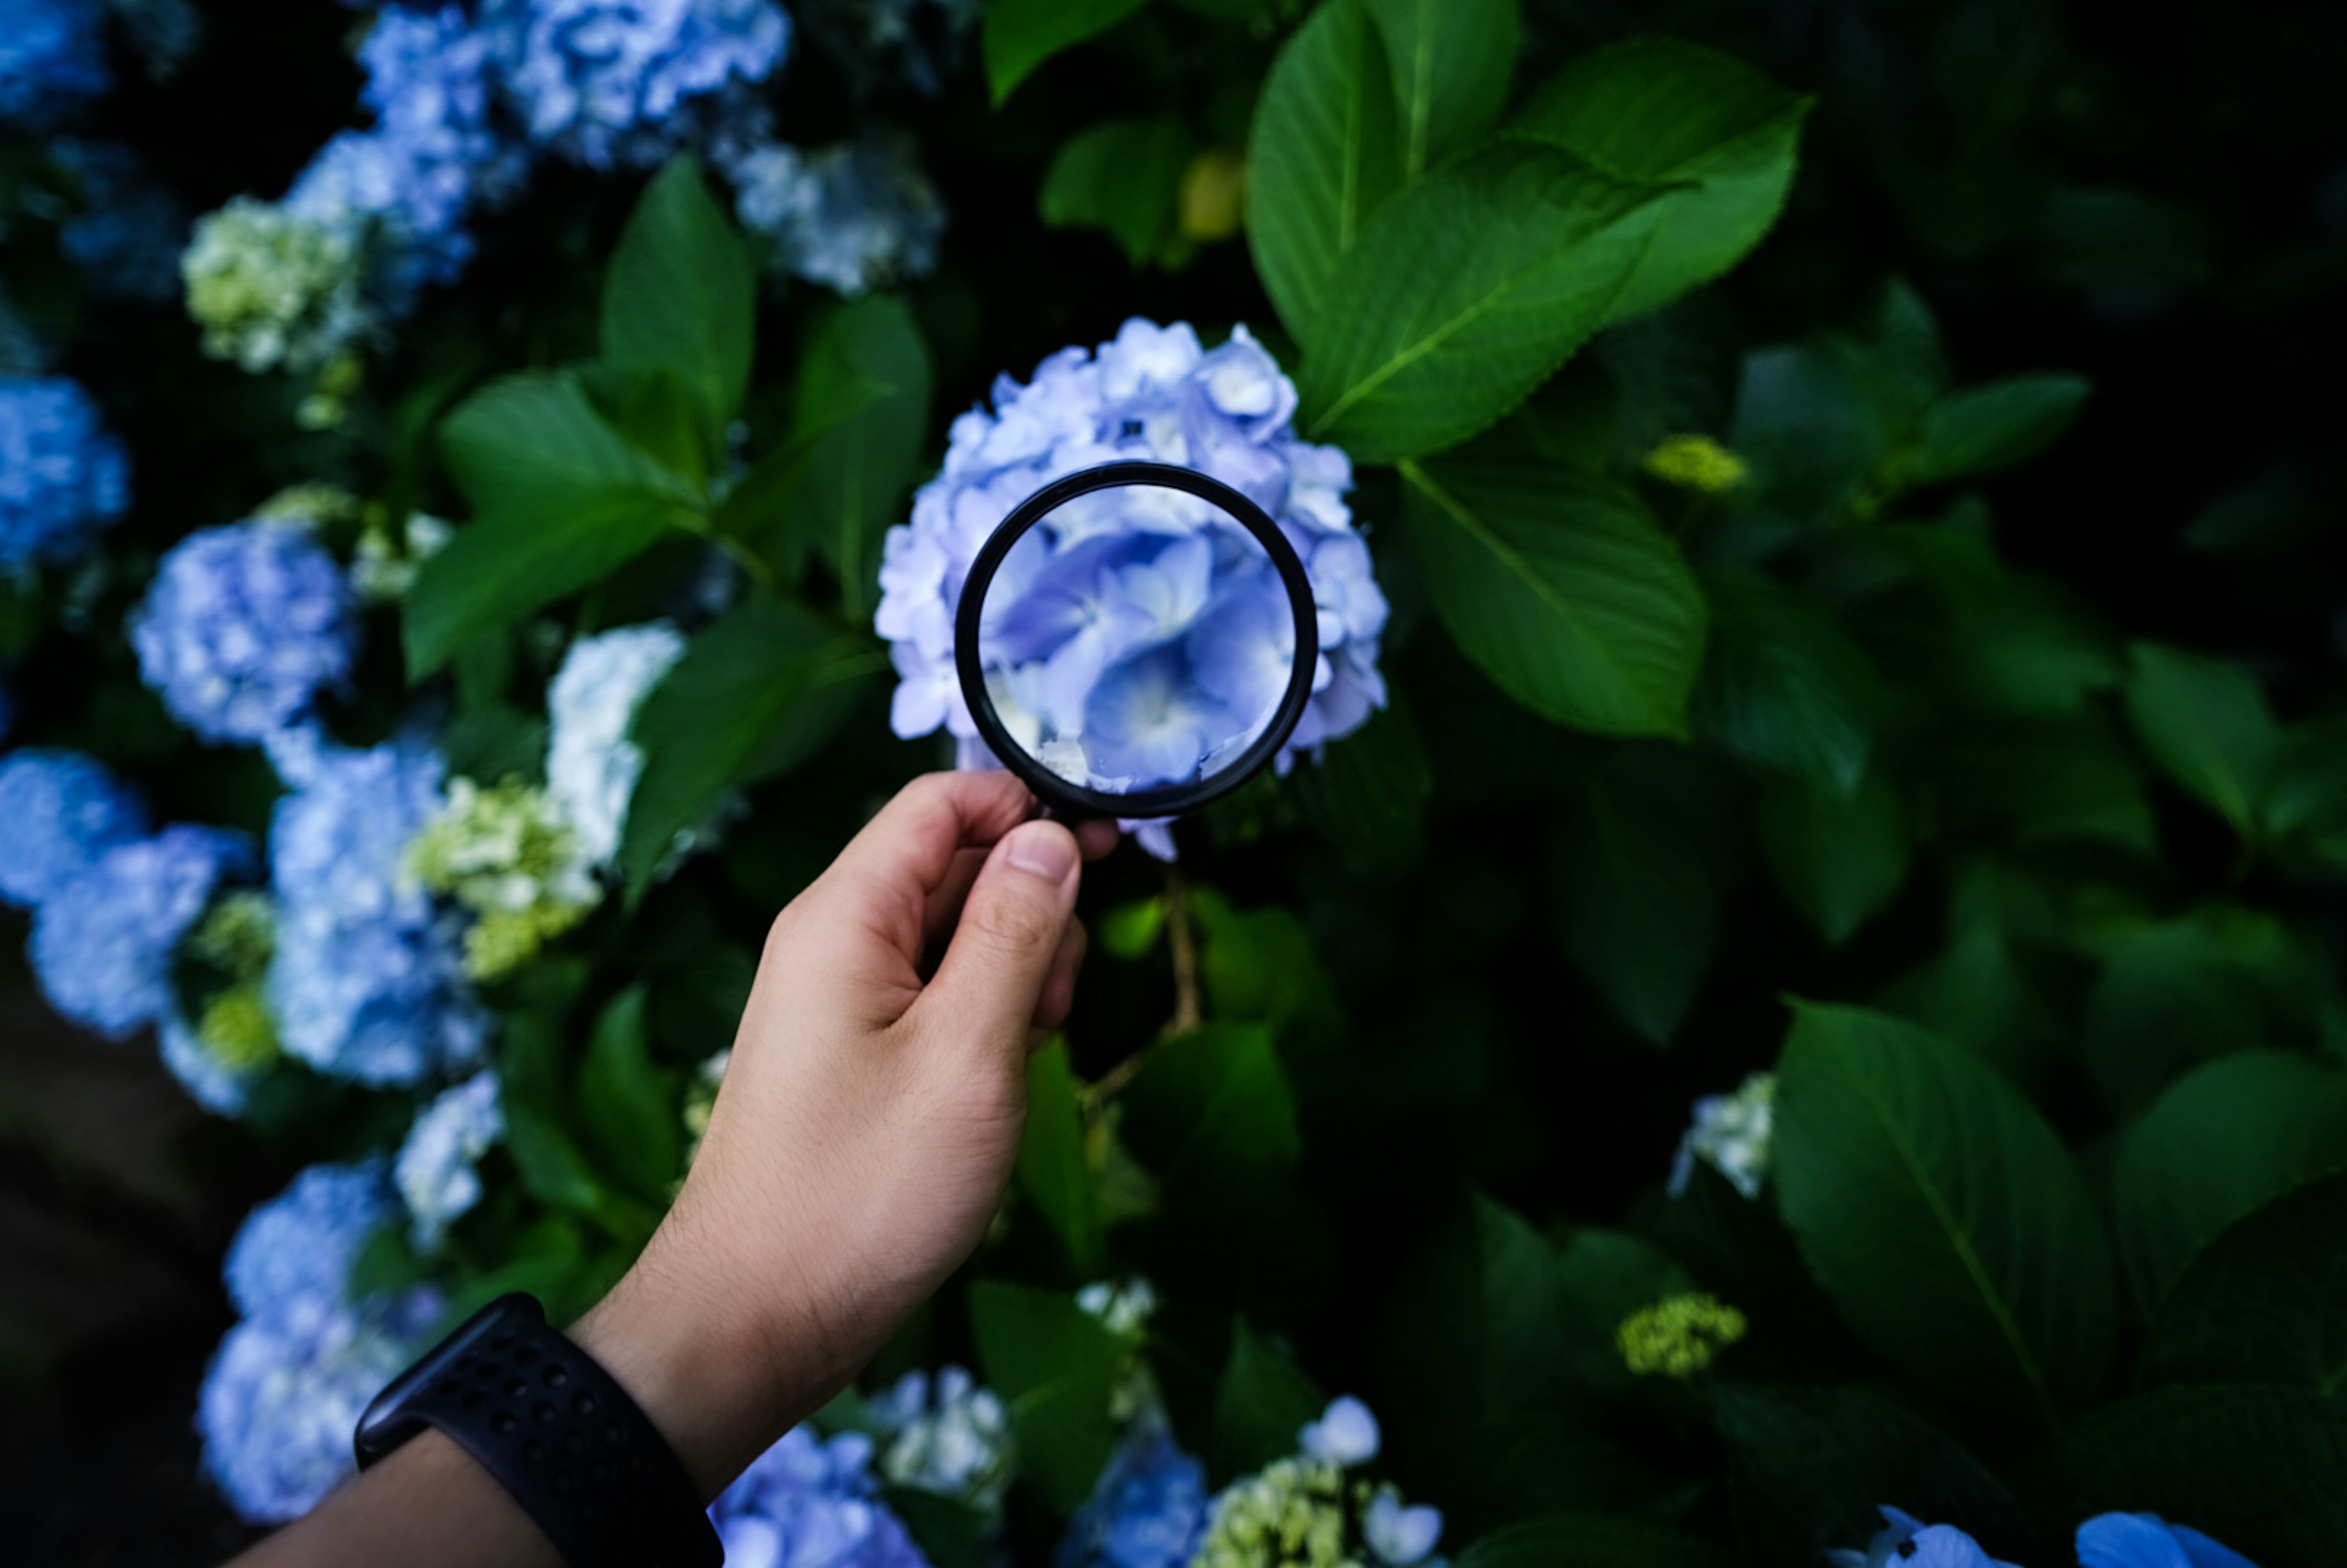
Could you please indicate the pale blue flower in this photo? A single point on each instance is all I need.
(52, 60)
(591, 765)
(1730, 1132)
(1910, 1544)
(1400, 1535)
(808, 1502)
(945, 1435)
(59, 811)
(854, 217)
(1147, 1510)
(63, 478)
(243, 626)
(2147, 1540)
(1346, 1434)
(102, 944)
(298, 1246)
(438, 1170)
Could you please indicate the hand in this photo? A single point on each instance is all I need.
(868, 1120)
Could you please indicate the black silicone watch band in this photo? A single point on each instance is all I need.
(558, 1432)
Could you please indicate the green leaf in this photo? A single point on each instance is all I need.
(2173, 993)
(2224, 1139)
(1259, 967)
(1322, 156)
(1466, 292)
(682, 295)
(756, 692)
(1451, 60)
(2265, 1301)
(1366, 793)
(1213, 1105)
(1783, 687)
(1983, 428)
(1052, 1169)
(1020, 35)
(630, 1107)
(2206, 723)
(948, 1532)
(859, 464)
(1055, 1368)
(1939, 1212)
(1124, 176)
(2305, 807)
(1560, 587)
(1602, 1277)
(1586, 1540)
(552, 1169)
(1129, 931)
(1663, 110)
(1838, 861)
(1262, 1402)
(2264, 1471)
(1640, 896)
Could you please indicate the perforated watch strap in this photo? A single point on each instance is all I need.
(558, 1432)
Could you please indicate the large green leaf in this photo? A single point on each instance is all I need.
(868, 357)
(1262, 1402)
(2173, 993)
(1560, 586)
(756, 692)
(1055, 1368)
(1995, 425)
(2224, 1139)
(1640, 895)
(1837, 860)
(1368, 793)
(1939, 1212)
(2206, 723)
(1124, 176)
(1052, 1169)
(1213, 1105)
(1661, 110)
(1783, 686)
(2262, 1469)
(1321, 157)
(629, 1106)
(1467, 291)
(1586, 1540)
(2265, 1302)
(1020, 35)
(682, 295)
(1449, 60)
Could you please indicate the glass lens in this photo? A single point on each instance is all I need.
(1136, 638)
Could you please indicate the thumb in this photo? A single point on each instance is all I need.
(1011, 927)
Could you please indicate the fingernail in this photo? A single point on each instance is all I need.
(1045, 848)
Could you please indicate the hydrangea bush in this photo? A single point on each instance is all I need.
(1747, 1026)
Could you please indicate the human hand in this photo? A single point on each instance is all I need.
(868, 1120)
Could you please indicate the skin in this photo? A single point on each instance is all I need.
(860, 1145)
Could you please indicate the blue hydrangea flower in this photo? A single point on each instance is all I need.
(298, 1246)
(283, 1394)
(591, 765)
(1911, 1544)
(1344, 1435)
(216, 1085)
(1137, 636)
(809, 1503)
(2147, 1540)
(367, 982)
(102, 944)
(1730, 1132)
(62, 476)
(128, 234)
(52, 61)
(604, 82)
(242, 628)
(59, 811)
(438, 1170)
(945, 1435)
(1147, 1510)
(853, 216)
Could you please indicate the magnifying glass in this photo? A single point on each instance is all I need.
(1135, 640)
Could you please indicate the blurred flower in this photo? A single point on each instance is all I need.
(59, 811)
(272, 288)
(1123, 1309)
(2147, 1540)
(1147, 1510)
(234, 1042)
(52, 61)
(1213, 194)
(507, 854)
(1696, 462)
(102, 944)
(128, 234)
(591, 766)
(298, 1246)
(1911, 1544)
(945, 1435)
(807, 1503)
(368, 980)
(1730, 1134)
(386, 561)
(1346, 1434)
(1397, 1533)
(438, 1170)
(855, 216)
(242, 628)
(1678, 1335)
(62, 476)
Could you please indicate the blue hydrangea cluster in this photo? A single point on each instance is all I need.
(288, 1383)
(243, 626)
(102, 944)
(367, 982)
(62, 477)
(946, 1434)
(852, 216)
(59, 811)
(603, 81)
(1148, 1510)
(1136, 636)
(2147, 1540)
(438, 1169)
(812, 1503)
(52, 61)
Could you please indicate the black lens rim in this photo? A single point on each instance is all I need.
(1080, 802)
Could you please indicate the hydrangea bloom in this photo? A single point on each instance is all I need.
(808, 1503)
(1730, 1133)
(212, 1076)
(945, 1435)
(438, 1170)
(853, 216)
(507, 855)
(591, 766)
(2147, 1540)
(1346, 1434)
(1678, 1335)
(51, 61)
(1148, 1510)
(1306, 1508)
(368, 979)
(242, 628)
(300, 1245)
(62, 476)
(603, 81)
(1911, 1544)
(102, 944)
(59, 811)
(1133, 612)
(273, 288)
